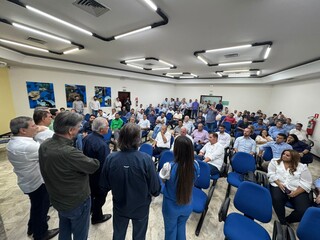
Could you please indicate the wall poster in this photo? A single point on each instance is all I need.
(104, 95)
(75, 90)
(40, 94)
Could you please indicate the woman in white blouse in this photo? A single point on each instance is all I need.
(291, 181)
(262, 139)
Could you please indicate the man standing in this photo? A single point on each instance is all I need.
(23, 155)
(117, 105)
(131, 176)
(213, 153)
(94, 146)
(94, 105)
(195, 108)
(42, 117)
(65, 171)
(78, 105)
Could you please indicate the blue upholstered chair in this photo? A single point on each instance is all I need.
(249, 199)
(309, 224)
(227, 126)
(267, 154)
(146, 148)
(166, 156)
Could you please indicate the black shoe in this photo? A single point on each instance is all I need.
(104, 218)
(29, 232)
(50, 234)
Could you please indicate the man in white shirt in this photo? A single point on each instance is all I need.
(94, 105)
(213, 153)
(144, 125)
(188, 124)
(301, 134)
(223, 137)
(161, 120)
(22, 153)
(101, 113)
(162, 141)
(117, 105)
(183, 132)
(42, 117)
(140, 115)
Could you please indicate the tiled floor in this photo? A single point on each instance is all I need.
(14, 209)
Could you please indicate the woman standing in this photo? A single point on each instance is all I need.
(290, 181)
(179, 178)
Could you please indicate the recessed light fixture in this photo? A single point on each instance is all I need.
(239, 73)
(29, 29)
(149, 63)
(180, 75)
(71, 50)
(157, 10)
(23, 45)
(239, 54)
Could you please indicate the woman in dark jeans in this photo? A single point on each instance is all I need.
(302, 148)
(291, 181)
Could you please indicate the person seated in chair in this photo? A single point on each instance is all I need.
(223, 138)
(144, 125)
(162, 141)
(161, 120)
(188, 124)
(200, 138)
(290, 181)
(245, 143)
(301, 147)
(275, 130)
(123, 112)
(184, 133)
(241, 126)
(130, 114)
(199, 119)
(300, 133)
(152, 119)
(177, 129)
(116, 124)
(213, 154)
(175, 118)
(259, 126)
(277, 146)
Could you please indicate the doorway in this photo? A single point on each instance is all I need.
(123, 97)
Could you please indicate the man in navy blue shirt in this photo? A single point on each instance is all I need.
(132, 177)
(94, 146)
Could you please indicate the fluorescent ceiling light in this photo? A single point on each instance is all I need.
(186, 77)
(234, 63)
(266, 55)
(178, 73)
(40, 33)
(132, 32)
(167, 75)
(151, 4)
(134, 66)
(202, 59)
(233, 71)
(71, 50)
(24, 45)
(166, 63)
(58, 20)
(135, 60)
(258, 72)
(193, 75)
(160, 68)
(229, 48)
(219, 74)
(240, 75)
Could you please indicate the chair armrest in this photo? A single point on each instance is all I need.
(224, 209)
(224, 170)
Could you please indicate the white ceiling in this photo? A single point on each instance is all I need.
(292, 26)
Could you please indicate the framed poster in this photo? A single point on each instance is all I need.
(40, 94)
(210, 98)
(75, 90)
(104, 95)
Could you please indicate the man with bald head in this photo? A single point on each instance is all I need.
(200, 137)
(162, 141)
(245, 143)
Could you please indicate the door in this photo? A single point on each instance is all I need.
(123, 97)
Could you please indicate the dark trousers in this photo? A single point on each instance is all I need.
(40, 203)
(98, 199)
(300, 204)
(159, 150)
(213, 170)
(120, 225)
(197, 147)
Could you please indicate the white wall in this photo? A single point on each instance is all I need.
(298, 100)
(240, 97)
(148, 92)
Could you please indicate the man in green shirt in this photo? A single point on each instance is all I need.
(116, 124)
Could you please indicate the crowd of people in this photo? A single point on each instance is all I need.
(64, 157)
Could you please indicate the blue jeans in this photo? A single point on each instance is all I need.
(75, 221)
(175, 219)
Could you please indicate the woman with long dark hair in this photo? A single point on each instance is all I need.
(302, 148)
(291, 181)
(179, 178)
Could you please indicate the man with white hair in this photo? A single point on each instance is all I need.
(94, 146)
(188, 124)
(183, 132)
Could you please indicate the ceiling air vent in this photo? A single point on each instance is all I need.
(36, 40)
(93, 7)
(231, 55)
(149, 64)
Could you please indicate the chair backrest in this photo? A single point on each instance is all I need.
(146, 148)
(171, 141)
(203, 181)
(254, 201)
(307, 229)
(169, 116)
(243, 162)
(222, 118)
(267, 154)
(87, 117)
(227, 126)
(124, 119)
(107, 136)
(166, 156)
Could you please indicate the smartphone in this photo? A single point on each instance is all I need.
(287, 191)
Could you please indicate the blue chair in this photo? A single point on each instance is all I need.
(309, 224)
(146, 148)
(107, 136)
(169, 117)
(241, 163)
(159, 155)
(227, 126)
(124, 119)
(87, 117)
(166, 156)
(249, 200)
(200, 200)
(267, 154)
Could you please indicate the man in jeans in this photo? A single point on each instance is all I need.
(23, 155)
(65, 171)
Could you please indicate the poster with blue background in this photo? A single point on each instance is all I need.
(75, 90)
(41, 94)
(104, 95)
